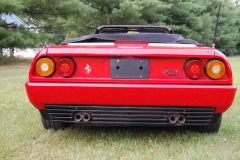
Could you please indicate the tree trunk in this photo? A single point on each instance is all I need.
(1, 53)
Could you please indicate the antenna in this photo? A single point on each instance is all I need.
(214, 38)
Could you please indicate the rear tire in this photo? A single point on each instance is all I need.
(49, 124)
(212, 127)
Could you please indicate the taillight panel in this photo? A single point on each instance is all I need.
(161, 70)
(214, 69)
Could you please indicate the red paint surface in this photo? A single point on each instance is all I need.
(219, 96)
(97, 88)
(160, 58)
(150, 51)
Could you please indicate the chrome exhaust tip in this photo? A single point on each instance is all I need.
(78, 117)
(172, 119)
(181, 119)
(86, 117)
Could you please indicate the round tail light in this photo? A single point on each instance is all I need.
(215, 69)
(194, 69)
(66, 67)
(45, 67)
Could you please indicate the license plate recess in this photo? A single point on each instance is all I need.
(129, 68)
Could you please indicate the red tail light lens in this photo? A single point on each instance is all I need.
(66, 67)
(194, 69)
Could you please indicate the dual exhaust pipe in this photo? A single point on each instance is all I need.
(173, 118)
(82, 117)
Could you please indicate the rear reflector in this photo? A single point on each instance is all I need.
(215, 69)
(194, 69)
(66, 67)
(45, 67)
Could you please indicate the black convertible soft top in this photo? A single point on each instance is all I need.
(149, 37)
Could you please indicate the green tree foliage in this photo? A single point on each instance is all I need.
(238, 26)
(194, 19)
(114, 12)
(20, 37)
(227, 34)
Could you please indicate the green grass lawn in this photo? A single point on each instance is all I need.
(23, 136)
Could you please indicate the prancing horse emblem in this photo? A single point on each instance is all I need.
(88, 69)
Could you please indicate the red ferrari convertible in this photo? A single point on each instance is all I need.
(131, 75)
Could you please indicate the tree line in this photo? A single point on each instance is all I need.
(194, 19)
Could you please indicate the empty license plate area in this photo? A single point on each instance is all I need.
(129, 68)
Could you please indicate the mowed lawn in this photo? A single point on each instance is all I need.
(22, 135)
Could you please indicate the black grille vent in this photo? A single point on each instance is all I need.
(130, 115)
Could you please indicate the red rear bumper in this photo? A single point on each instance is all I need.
(219, 96)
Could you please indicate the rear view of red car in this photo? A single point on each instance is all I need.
(131, 75)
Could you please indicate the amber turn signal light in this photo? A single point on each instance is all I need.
(215, 69)
(45, 67)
